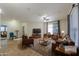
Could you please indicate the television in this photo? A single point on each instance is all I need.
(37, 30)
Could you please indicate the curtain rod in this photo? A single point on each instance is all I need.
(74, 5)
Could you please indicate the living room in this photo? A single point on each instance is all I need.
(24, 26)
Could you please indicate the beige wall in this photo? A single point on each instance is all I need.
(31, 25)
(13, 25)
(17, 25)
(63, 25)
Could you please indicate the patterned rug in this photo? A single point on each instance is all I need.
(44, 50)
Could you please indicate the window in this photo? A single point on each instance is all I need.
(50, 28)
(53, 27)
(3, 28)
(74, 25)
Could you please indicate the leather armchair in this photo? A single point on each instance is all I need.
(26, 41)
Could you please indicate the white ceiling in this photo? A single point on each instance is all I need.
(34, 11)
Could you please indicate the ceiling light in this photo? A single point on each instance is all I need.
(45, 18)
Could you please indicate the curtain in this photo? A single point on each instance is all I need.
(54, 26)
